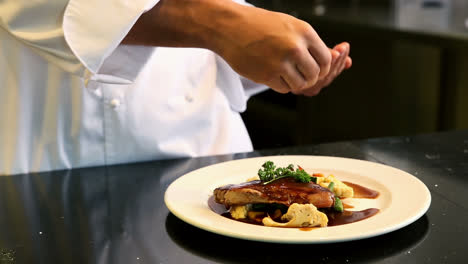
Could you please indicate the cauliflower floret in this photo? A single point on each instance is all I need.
(340, 189)
(300, 215)
(240, 211)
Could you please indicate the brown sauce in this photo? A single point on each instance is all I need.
(347, 217)
(216, 207)
(362, 192)
(334, 218)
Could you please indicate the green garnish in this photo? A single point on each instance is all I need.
(338, 205)
(270, 173)
(331, 186)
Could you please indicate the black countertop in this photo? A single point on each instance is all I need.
(116, 214)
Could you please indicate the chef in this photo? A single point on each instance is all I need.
(87, 83)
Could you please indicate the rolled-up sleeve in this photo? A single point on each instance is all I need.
(80, 36)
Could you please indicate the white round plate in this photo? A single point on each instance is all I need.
(403, 199)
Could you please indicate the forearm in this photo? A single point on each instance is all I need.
(185, 23)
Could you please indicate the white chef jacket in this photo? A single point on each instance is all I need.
(71, 96)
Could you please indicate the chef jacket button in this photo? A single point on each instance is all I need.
(189, 98)
(115, 103)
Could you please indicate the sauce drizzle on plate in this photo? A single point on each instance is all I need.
(362, 192)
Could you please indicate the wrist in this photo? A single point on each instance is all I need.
(217, 24)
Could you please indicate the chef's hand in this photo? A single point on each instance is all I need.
(276, 49)
(340, 62)
(267, 47)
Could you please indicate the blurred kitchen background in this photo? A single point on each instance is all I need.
(409, 74)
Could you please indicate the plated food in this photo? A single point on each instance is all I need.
(402, 199)
(291, 197)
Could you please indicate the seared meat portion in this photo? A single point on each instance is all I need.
(283, 191)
